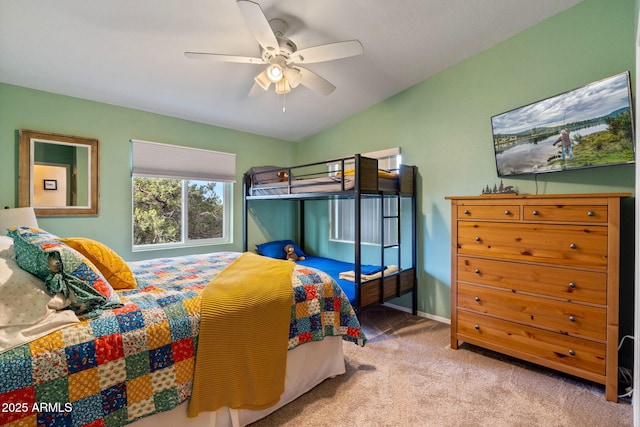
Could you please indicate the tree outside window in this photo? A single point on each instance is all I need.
(170, 211)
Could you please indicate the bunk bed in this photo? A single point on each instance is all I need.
(355, 177)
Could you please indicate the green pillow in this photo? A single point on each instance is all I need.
(64, 270)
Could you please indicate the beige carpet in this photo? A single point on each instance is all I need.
(407, 375)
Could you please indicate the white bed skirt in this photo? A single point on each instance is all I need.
(307, 366)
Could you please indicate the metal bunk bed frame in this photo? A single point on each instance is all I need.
(391, 285)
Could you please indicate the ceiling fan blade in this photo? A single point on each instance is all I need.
(315, 82)
(328, 52)
(217, 57)
(259, 25)
(256, 90)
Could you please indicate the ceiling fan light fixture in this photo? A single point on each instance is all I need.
(274, 73)
(293, 76)
(283, 87)
(263, 80)
(276, 69)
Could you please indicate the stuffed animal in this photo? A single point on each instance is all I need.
(284, 176)
(291, 254)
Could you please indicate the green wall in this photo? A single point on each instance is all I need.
(23, 108)
(443, 124)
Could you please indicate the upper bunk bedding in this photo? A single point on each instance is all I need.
(333, 176)
(138, 359)
(325, 184)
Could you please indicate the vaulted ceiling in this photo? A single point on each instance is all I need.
(131, 53)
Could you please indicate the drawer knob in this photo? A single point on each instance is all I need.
(572, 318)
(572, 353)
(572, 285)
(573, 246)
(591, 213)
(477, 271)
(477, 299)
(507, 212)
(535, 212)
(466, 212)
(478, 238)
(477, 327)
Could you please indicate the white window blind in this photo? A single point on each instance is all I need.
(153, 159)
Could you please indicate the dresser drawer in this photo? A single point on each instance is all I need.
(535, 345)
(570, 245)
(567, 283)
(497, 212)
(560, 316)
(566, 213)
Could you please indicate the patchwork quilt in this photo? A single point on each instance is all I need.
(138, 360)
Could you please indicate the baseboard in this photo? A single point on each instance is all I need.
(420, 313)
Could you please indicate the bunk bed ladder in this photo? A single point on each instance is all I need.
(383, 246)
(358, 224)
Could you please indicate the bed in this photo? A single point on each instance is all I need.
(374, 279)
(344, 175)
(354, 177)
(130, 360)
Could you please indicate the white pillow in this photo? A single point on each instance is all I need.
(27, 311)
(6, 247)
(17, 217)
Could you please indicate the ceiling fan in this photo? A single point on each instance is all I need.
(281, 56)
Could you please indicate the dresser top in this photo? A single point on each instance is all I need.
(538, 196)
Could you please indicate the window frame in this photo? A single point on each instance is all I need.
(185, 242)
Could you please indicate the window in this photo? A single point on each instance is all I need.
(343, 221)
(166, 210)
(342, 216)
(181, 196)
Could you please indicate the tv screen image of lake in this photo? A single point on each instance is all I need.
(527, 155)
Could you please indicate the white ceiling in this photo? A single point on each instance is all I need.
(130, 53)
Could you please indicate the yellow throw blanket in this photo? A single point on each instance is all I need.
(244, 332)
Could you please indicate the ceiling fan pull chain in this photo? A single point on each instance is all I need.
(284, 103)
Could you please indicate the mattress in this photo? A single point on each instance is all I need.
(326, 184)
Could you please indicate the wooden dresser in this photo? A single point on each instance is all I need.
(536, 277)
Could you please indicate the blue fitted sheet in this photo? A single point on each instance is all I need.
(334, 267)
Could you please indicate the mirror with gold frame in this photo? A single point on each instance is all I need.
(58, 174)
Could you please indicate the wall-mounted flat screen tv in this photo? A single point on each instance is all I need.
(583, 128)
